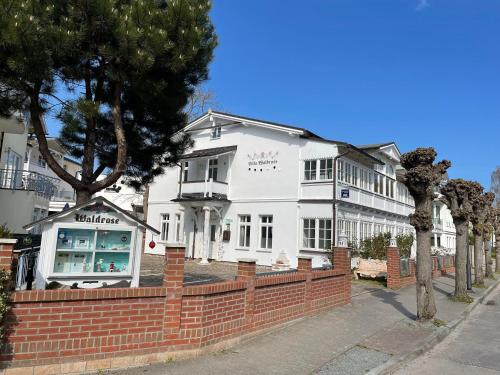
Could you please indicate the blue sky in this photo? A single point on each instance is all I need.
(421, 73)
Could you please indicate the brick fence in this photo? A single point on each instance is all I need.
(441, 265)
(71, 331)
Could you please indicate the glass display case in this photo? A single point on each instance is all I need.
(92, 251)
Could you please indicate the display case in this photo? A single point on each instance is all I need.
(89, 246)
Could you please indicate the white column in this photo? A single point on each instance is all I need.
(182, 227)
(206, 236)
(206, 178)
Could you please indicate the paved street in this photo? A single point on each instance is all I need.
(348, 340)
(474, 348)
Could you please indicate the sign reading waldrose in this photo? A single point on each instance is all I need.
(263, 159)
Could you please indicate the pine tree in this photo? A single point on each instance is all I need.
(116, 73)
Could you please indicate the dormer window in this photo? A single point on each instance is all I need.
(215, 133)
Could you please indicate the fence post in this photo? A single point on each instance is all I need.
(6, 253)
(247, 272)
(173, 281)
(342, 261)
(304, 265)
(393, 266)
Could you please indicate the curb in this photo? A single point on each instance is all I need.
(439, 335)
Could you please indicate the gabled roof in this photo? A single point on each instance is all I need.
(377, 146)
(98, 199)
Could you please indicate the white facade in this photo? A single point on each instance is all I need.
(254, 189)
(443, 239)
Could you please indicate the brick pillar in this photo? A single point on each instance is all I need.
(342, 261)
(304, 265)
(246, 272)
(6, 253)
(393, 268)
(173, 281)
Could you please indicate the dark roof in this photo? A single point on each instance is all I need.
(209, 152)
(375, 145)
(307, 133)
(193, 197)
(93, 200)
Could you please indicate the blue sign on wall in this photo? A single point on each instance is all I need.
(344, 193)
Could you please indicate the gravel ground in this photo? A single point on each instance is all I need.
(152, 271)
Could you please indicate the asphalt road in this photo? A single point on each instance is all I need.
(474, 348)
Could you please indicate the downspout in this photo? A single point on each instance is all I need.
(334, 200)
(1, 145)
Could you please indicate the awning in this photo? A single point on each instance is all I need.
(209, 152)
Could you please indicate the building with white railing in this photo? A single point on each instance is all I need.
(256, 189)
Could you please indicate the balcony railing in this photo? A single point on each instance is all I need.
(205, 188)
(17, 179)
(64, 196)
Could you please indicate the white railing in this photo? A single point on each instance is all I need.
(17, 179)
(206, 188)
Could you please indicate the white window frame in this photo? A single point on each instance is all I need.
(185, 172)
(324, 233)
(325, 169)
(215, 132)
(306, 239)
(264, 223)
(247, 236)
(177, 234)
(164, 226)
(311, 173)
(213, 166)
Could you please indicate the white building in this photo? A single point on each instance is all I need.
(443, 240)
(24, 193)
(256, 189)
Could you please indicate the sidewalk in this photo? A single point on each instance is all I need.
(377, 328)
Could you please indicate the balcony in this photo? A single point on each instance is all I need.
(17, 179)
(437, 223)
(204, 189)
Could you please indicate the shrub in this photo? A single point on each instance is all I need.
(5, 290)
(404, 242)
(5, 232)
(376, 246)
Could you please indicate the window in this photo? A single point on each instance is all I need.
(347, 173)
(266, 232)
(355, 175)
(215, 133)
(389, 187)
(244, 236)
(309, 235)
(41, 161)
(177, 227)
(213, 233)
(92, 251)
(325, 234)
(340, 170)
(366, 230)
(325, 169)
(212, 169)
(378, 183)
(185, 172)
(164, 225)
(377, 229)
(310, 170)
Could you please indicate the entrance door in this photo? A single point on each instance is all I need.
(213, 242)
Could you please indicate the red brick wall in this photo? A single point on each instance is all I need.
(60, 326)
(394, 279)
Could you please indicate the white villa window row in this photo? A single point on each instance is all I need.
(317, 234)
(265, 231)
(348, 173)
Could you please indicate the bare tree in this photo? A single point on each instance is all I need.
(487, 238)
(199, 103)
(496, 227)
(421, 177)
(481, 202)
(456, 195)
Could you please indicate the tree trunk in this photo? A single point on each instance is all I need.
(478, 259)
(461, 261)
(487, 260)
(426, 306)
(497, 250)
(83, 196)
